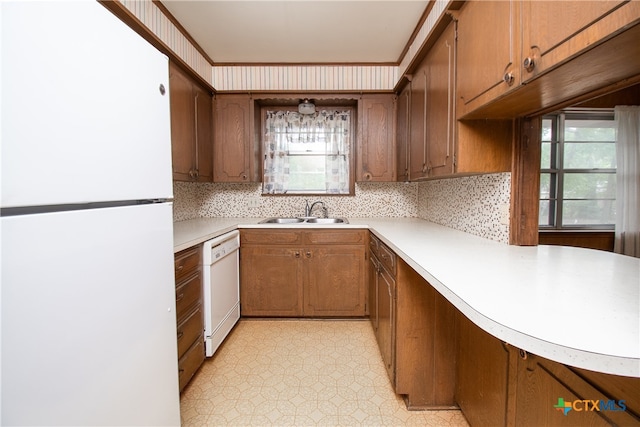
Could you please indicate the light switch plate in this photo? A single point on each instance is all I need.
(254, 202)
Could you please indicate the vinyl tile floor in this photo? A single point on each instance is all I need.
(300, 373)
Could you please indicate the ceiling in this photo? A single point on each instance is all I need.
(300, 31)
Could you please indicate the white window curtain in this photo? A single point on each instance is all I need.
(331, 128)
(627, 233)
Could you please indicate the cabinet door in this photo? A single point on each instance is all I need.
(541, 385)
(182, 124)
(440, 116)
(232, 142)
(555, 31)
(488, 52)
(372, 291)
(376, 139)
(482, 380)
(203, 135)
(335, 280)
(271, 281)
(385, 334)
(403, 129)
(417, 136)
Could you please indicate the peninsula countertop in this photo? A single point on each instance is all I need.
(580, 307)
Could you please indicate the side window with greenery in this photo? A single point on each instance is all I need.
(307, 153)
(578, 170)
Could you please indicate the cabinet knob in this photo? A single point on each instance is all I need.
(529, 64)
(297, 254)
(424, 168)
(508, 78)
(308, 254)
(523, 354)
(244, 177)
(367, 176)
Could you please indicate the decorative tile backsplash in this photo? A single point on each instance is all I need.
(471, 204)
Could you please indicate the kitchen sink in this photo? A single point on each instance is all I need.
(304, 221)
(327, 221)
(282, 221)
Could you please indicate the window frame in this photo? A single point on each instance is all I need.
(558, 172)
(352, 149)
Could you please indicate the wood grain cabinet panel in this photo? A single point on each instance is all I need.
(376, 139)
(234, 144)
(488, 52)
(191, 128)
(554, 32)
(332, 272)
(520, 58)
(310, 273)
(189, 314)
(403, 130)
(271, 281)
(501, 385)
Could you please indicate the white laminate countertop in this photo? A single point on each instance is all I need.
(576, 306)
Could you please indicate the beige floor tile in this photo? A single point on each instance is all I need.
(300, 373)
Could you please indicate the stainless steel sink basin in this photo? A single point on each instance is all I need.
(304, 221)
(327, 221)
(282, 221)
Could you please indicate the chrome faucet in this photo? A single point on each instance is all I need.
(309, 208)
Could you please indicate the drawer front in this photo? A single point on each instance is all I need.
(190, 329)
(388, 258)
(272, 237)
(190, 362)
(186, 262)
(188, 293)
(374, 245)
(335, 236)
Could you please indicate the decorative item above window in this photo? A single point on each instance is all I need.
(307, 153)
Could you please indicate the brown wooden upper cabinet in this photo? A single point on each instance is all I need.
(516, 58)
(488, 52)
(430, 142)
(376, 138)
(403, 130)
(191, 128)
(235, 151)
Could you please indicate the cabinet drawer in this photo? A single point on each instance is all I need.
(186, 262)
(387, 258)
(188, 293)
(334, 236)
(190, 362)
(189, 329)
(272, 237)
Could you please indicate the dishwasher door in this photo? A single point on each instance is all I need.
(221, 290)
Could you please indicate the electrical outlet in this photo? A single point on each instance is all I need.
(504, 214)
(254, 202)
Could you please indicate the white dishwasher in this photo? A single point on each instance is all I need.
(221, 290)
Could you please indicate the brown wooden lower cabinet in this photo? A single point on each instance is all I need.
(425, 343)
(501, 385)
(308, 273)
(189, 315)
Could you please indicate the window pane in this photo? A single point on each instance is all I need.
(545, 157)
(589, 130)
(547, 130)
(545, 183)
(543, 215)
(588, 212)
(593, 155)
(307, 173)
(589, 186)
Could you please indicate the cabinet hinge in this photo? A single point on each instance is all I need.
(455, 161)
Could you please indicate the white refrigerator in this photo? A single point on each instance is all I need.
(88, 325)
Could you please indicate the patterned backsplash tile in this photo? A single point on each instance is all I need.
(471, 204)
